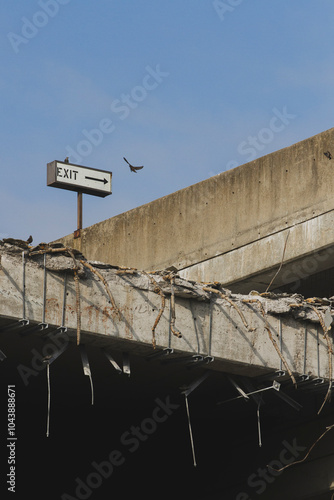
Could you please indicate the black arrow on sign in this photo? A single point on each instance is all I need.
(98, 180)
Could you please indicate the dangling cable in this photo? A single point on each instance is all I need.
(91, 387)
(190, 431)
(49, 398)
(86, 368)
(77, 294)
(172, 306)
(259, 423)
(48, 360)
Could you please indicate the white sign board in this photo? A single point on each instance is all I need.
(78, 178)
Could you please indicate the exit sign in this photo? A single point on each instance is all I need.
(78, 178)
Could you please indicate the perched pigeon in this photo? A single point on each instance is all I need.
(29, 240)
(132, 168)
(66, 159)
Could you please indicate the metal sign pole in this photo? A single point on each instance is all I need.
(65, 175)
(79, 210)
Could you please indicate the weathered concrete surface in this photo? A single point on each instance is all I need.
(231, 227)
(231, 330)
(309, 250)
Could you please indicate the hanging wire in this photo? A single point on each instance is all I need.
(190, 431)
(23, 287)
(49, 399)
(259, 423)
(86, 368)
(91, 387)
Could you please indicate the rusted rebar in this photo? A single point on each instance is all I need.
(174, 331)
(225, 297)
(157, 290)
(99, 275)
(273, 341)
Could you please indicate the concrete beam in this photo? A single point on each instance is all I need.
(211, 325)
(309, 250)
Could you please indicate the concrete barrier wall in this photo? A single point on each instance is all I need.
(222, 214)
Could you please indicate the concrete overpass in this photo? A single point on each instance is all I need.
(232, 227)
(48, 289)
(51, 297)
(250, 220)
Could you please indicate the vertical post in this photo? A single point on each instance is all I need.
(79, 211)
(23, 287)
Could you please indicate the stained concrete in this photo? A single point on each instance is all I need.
(230, 462)
(232, 227)
(243, 218)
(231, 328)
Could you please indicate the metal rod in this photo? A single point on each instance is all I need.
(49, 400)
(280, 341)
(44, 290)
(190, 388)
(113, 362)
(201, 360)
(238, 388)
(79, 210)
(190, 431)
(318, 353)
(275, 386)
(195, 324)
(304, 377)
(56, 355)
(259, 390)
(23, 288)
(305, 349)
(91, 388)
(259, 423)
(170, 322)
(86, 368)
(289, 400)
(64, 302)
(210, 327)
(126, 364)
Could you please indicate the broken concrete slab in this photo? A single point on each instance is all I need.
(123, 308)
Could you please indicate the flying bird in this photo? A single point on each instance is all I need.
(66, 159)
(328, 155)
(132, 168)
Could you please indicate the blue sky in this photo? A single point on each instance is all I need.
(188, 88)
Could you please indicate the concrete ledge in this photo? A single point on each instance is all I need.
(309, 250)
(210, 325)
